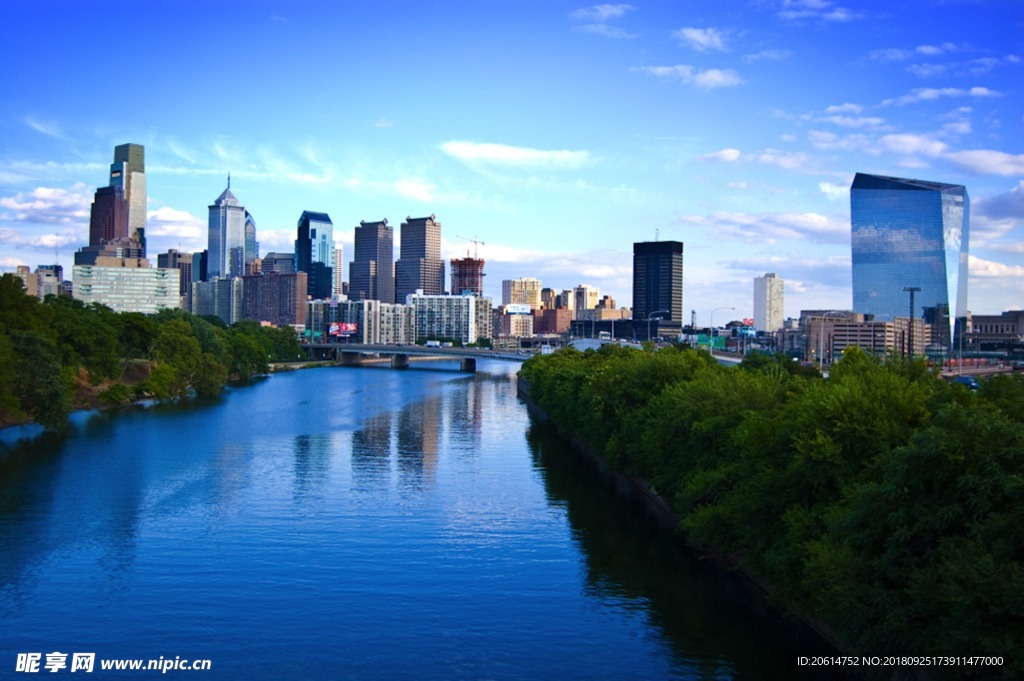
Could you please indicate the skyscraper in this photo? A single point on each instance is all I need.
(768, 302)
(467, 276)
(658, 281)
(910, 234)
(372, 269)
(419, 264)
(108, 220)
(252, 247)
(226, 236)
(314, 253)
(128, 171)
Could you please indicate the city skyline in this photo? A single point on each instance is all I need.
(556, 135)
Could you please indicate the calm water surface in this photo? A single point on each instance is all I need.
(355, 524)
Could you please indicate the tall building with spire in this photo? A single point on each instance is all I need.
(372, 269)
(419, 265)
(226, 236)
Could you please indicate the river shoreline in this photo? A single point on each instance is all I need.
(659, 508)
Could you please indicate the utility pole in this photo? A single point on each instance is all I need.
(910, 320)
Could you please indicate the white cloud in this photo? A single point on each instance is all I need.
(722, 156)
(931, 94)
(834, 192)
(596, 20)
(989, 269)
(770, 227)
(768, 55)
(384, 123)
(707, 80)
(701, 39)
(824, 10)
(48, 128)
(855, 121)
(600, 13)
(605, 30)
(989, 162)
(171, 222)
(49, 206)
(844, 108)
(787, 160)
(520, 157)
(415, 188)
(911, 144)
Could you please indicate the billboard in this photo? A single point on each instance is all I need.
(517, 308)
(342, 328)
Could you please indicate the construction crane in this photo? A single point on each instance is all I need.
(476, 243)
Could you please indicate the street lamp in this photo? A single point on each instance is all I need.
(651, 316)
(821, 340)
(711, 338)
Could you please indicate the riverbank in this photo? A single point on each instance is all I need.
(643, 493)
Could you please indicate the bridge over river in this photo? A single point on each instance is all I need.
(353, 354)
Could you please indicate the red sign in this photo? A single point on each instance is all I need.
(342, 328)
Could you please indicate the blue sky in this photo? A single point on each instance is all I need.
(556, 133)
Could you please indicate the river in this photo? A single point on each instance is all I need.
(356, 523)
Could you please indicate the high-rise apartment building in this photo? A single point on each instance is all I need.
(128, 171)
(372, 269)
(768, 302)
(658, 281)
(523, 291)
(338, 284)
(226, 236)
(419, 265)
(314, 253)
(910, 242)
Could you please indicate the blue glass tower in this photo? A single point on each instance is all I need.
(910, 234)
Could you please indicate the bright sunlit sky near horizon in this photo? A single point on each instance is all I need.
(556, 133)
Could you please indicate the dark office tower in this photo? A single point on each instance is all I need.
(372, 270)
(109, 218)
(181, 261)
(467, 276)
(658, 281)
(419, 264)
(200, 264)
(910, 234)
(314, 253)
(128, 171)
(283, 263)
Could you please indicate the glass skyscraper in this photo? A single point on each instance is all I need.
(314, 253)
(910, 234)
(226, 236)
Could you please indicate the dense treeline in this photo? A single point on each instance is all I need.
(883, 501)
(50, 351)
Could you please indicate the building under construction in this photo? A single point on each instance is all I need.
(467, 276)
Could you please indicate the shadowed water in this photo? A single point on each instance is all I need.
(356, 523)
